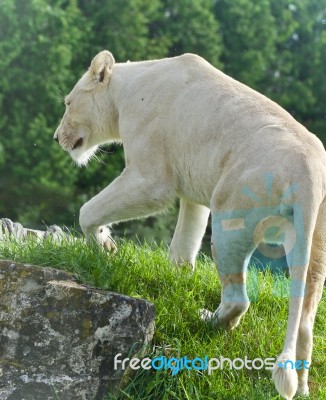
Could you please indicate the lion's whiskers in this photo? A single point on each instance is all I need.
(94, 156)
(60, 96)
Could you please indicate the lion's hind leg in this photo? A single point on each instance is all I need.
(314, 290)
(232, 246)
(299, 256)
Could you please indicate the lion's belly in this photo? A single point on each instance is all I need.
(196, 183)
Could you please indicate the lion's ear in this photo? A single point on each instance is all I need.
(101, 66)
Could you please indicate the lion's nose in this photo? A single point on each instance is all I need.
(56, 134)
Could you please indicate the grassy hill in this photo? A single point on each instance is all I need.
(146, 272)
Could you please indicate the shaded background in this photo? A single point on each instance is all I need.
(277, 47)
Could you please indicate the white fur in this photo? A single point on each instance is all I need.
(190, 131)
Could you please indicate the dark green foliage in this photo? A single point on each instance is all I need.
(276, 47)
(37, 48)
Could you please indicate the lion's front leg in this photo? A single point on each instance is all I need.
(190, 229)
(130, 196)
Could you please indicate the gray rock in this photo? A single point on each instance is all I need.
(12, 228)
(58, 339)
(15, 229)
(55, 232)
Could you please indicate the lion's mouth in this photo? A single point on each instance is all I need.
(78, 143)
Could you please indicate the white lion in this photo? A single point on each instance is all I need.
(190, 131)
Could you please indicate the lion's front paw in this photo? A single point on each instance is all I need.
(110, 245)
(208, 316)
(103, 237)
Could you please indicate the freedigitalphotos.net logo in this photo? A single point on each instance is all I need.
(273, 225)
(175, 365)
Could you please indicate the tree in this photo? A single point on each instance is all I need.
(290, 80)
(122, 27)
(248, 32)
(37, 47)
(188, 26)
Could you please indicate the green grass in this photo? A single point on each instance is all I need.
(145, 272)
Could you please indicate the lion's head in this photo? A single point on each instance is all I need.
(90, 116)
